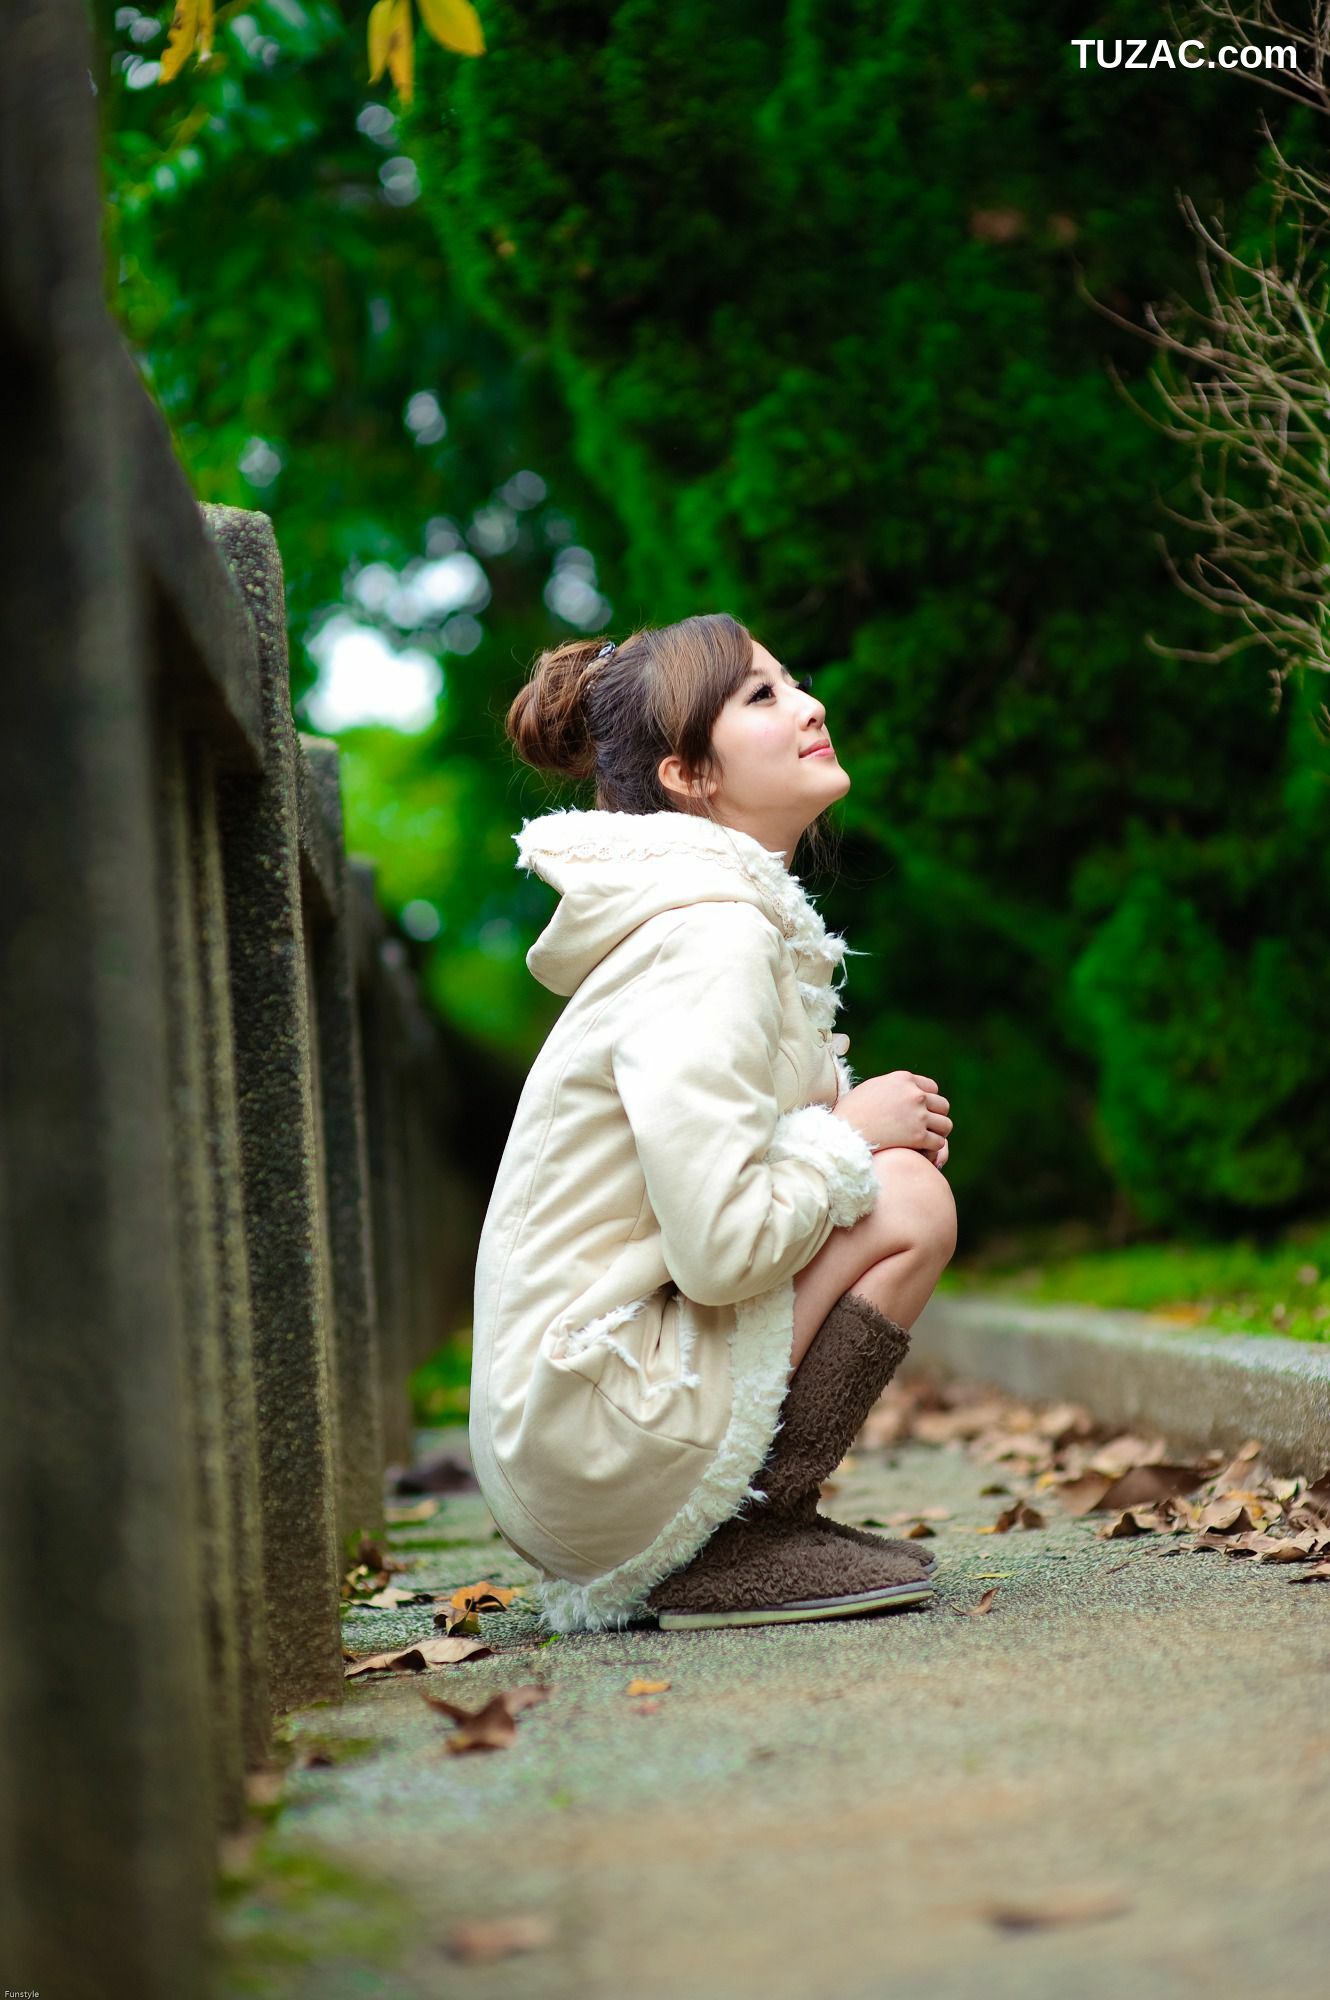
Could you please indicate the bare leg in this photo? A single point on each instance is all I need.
(893, 1256)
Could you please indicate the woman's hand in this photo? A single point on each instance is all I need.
(899, 1109)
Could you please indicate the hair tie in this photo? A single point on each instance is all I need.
(609, 648)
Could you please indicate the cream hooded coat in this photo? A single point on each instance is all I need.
(673, 1162)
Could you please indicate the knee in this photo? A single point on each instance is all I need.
(916, 1208)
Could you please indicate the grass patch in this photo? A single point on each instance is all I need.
(1242, 1285)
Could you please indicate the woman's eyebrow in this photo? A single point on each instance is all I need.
(764, 671)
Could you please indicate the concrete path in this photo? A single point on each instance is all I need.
(1138, 1745)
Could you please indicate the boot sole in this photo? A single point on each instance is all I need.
(885, 1599)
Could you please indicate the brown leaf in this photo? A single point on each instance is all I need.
(440, 1474)
(647, 1687)
(647, 1707)
(446, 1619)
(985, 1604)
(424, 1510)
(917, 1531)
(1147, 1484)
(1084, 1494)
(1135, 1521)
(1320, 1573)
(1228, 1515)
(478, 1943)
(482, 1597)
(425, 1653)
(1121, 1453)
(1018, 1514)
(263, 1787)
(1287, 1548)
(1240, 1469)
(394, 1595)
(492, 1727)
(1071, 1908)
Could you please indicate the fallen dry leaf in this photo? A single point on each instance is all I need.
(440, 1474)
(1085, 1908)
(1135, 1521)
(1319, 1574)
(1145, 1485)
(482, 1597)
(1124, 1451)
(492, 1727)
(263, 1787)
(478, 1943)
(394, 1595)
(1224, 1501)
(985, 1604)
(647, 1687)
(424, 1510)
(1228, 1513)
(425, 1653)
(1018, 1512)
(647, 1707)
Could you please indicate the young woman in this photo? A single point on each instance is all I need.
(706, 1243)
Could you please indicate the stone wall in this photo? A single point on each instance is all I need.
(226, 1226)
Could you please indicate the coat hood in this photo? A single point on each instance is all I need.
(615, 870)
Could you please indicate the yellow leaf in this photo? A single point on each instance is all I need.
(181, 39)
(205, 29)
(380, 30)
(401, 50)
(647, 1687)
(456, 24)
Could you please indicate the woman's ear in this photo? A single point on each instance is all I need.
(673, 779)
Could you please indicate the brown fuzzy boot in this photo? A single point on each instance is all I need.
(855, 1354)
(781, 1559)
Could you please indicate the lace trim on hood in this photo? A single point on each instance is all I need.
(595, 835)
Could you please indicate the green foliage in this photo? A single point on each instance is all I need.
(275, 275)
(807, 283)
(440, 1389)
(783, 307)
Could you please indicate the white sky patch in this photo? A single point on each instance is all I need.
(364, 680)
(423, 592)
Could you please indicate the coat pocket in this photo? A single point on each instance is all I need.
(661, 1361)
(630, 1352)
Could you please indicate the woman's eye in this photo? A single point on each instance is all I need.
(805, 685)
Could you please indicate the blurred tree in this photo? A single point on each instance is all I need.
(291, 310)
(808, 286)
(783, 307)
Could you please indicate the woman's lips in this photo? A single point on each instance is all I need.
(821, 750)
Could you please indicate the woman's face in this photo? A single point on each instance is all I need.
(776, 774)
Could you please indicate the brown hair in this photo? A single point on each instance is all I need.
(613, 720)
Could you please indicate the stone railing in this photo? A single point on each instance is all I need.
(226, 1226)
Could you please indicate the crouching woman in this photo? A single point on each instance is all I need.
(705, 1244)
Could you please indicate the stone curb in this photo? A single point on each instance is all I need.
(1198, 1389)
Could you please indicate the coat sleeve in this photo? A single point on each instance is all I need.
(744, 1194)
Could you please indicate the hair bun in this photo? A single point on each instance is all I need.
(547, 721)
